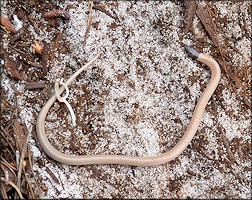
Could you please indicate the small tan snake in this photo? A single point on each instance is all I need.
(133, 160)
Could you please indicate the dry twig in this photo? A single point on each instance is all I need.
(89, 23)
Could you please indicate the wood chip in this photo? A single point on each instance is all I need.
(190, 8)
(56, 44)
(34, 85)
(206, 20)
(238, 82)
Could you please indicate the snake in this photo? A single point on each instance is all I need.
(159, 159)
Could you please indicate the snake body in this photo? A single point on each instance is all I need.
(133, 160)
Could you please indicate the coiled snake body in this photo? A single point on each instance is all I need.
(132, 160)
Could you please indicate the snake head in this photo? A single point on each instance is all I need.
(192, 52)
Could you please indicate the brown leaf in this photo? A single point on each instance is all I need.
(12, 70)
(206, 20)
(56, 43)
(190, 8)
(18, 131)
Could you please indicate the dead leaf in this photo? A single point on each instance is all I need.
(206, 20)
(8, 25)
(18, 131)
(190, 8)
(12, 70)
(45, 56)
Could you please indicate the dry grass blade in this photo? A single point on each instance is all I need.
(11, 168)
(89, 23)
(5, 134)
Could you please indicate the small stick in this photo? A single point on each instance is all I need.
(218, 43)
(34, 85)
(22, 158)
(89, 23)
(14, 186)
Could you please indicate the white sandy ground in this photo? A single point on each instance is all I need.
(162, 100)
